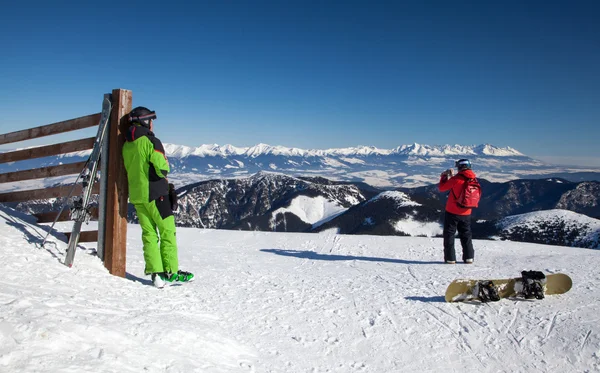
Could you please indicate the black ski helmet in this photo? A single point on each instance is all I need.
(142, 116)
(463, 164)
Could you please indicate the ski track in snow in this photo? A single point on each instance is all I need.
(289, 302)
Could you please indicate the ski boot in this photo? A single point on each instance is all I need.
(160, 279)
(183, 276)
(487, 292)
(533, 284)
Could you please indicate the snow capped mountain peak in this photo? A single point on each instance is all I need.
(488, 149)
(231, 150)
(205, 150)
(456, 150)
(257, 150)
(417, 149)
(401, 199)
(178, 151)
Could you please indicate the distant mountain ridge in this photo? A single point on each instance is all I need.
(403, 166)
(276, 202)
(263, 201)
(181, 151)
(407, 165)
(270, 201)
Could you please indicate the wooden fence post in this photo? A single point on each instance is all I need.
(115, 229)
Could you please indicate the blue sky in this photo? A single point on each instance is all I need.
(316, 74)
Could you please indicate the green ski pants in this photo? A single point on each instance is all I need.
(160, 250)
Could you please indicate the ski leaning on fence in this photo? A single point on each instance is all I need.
(80, 211)
(531, 285)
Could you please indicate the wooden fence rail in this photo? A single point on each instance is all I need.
(51, 129)
(42, 173)
(49, 217)
(45, 193)
(48, 150)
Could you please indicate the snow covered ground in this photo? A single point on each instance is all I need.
(282, 302)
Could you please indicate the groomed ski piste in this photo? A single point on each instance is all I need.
(287, 302)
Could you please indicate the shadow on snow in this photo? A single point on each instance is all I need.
(332, 257)
(134, 278)
(35, 233)
(435, 299)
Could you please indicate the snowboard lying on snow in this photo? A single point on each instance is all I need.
(531, 285)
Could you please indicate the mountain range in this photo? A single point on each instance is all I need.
(276, 202)
(362, 190)
(404, 166)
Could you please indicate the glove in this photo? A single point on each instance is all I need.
(447, 174)
(172, 197)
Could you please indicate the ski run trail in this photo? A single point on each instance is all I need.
(287, 302)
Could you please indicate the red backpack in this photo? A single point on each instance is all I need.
(470, 195)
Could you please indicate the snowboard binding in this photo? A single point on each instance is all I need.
(533, 284)
(487, 292)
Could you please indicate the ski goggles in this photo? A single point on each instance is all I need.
(141, 118)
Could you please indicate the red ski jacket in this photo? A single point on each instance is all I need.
(455, 186)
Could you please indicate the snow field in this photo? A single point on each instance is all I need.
(287, 302)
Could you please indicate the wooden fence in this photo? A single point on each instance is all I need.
(112, 189)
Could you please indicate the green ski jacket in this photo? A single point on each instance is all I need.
(146, 164)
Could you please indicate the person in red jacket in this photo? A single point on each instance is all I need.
(457, 217)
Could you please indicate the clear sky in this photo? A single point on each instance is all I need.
(320, 74)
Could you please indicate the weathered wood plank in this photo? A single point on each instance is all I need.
(46, 193)
(48, 217)
(51, 129)
(42, 173)
(115, 239)
(48, 150)
(84, 236)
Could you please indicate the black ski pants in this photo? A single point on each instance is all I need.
(453, 222)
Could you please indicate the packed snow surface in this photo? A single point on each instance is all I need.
(283, 302)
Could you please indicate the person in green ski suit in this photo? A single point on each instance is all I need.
(153, 197)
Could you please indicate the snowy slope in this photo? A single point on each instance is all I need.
(277, 302)
(400, 199)
(312, 210)
(553, 225)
